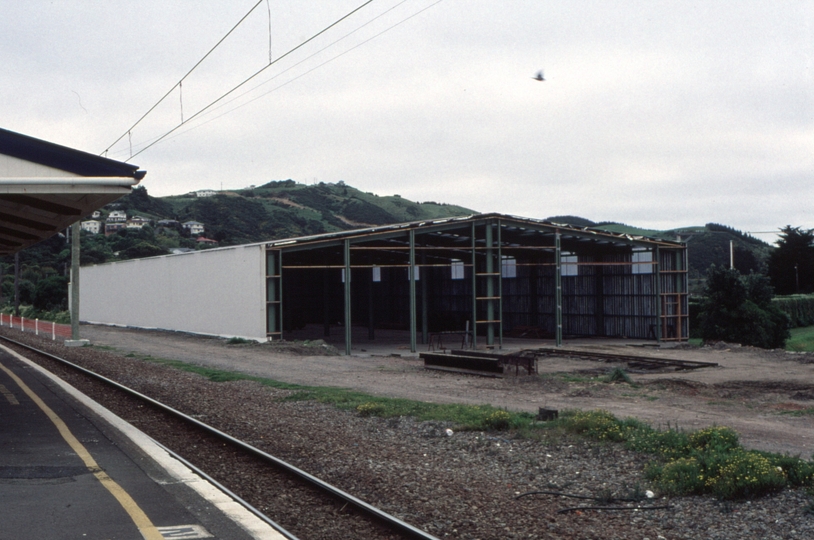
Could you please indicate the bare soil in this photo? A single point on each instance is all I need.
(766, 396)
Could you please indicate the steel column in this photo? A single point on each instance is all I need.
(424, 309)
(348, 321)
(75, 228)
(490, 286)
(474, 325)
(558, 288)
(659, 301)
(412, 292)
(500, 284)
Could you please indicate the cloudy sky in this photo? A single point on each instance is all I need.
(657, 114)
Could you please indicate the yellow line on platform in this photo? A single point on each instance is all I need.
(145, 526)
(9, 396)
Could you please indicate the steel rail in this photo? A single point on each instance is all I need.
(392, 521)
(591, 355)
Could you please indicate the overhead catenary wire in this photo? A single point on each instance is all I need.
(251, 77)
(308, 71)
(193, 68)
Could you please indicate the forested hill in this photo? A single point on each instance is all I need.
(285, 209)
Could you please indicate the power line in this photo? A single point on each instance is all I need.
(255, 74)
(178, 84)
(313, 68)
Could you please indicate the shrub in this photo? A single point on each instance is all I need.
(618, 375)
(738, 309)
(714, 439)
(498, 420)
(706, 462)
(370, 409)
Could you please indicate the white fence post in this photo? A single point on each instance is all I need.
(36, 327)
(53, 331)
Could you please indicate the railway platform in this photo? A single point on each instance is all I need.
(69, 469)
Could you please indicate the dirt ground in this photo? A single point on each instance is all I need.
(767, 396)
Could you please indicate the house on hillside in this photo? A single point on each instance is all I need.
(113, 228)
(137, 222)
(117, 216)
(206, 241)
(92, 226)
(194, 227)
(205, 193)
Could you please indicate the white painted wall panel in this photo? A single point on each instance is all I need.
(11, 167)
(219, 292)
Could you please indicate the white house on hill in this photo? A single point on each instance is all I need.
(194, 227)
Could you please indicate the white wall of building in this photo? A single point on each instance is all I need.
(218, 291)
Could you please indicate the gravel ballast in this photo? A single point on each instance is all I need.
(463, 485)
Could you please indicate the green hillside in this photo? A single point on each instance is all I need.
(279, 209)
(706, 245)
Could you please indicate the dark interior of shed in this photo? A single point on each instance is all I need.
(500, 274)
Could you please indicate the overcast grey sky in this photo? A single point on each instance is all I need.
(655, 113)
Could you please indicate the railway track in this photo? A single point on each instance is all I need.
(633, 361)
(325, 511)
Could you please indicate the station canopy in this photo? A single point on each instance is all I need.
(45, 187)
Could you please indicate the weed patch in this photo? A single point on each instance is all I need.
(710, 461)
(618, 375)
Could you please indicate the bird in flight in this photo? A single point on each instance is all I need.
(539, 76)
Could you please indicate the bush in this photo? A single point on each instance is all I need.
(618, 375)
(706, 462)
(370, 409)
(739, 309)
(498, 420)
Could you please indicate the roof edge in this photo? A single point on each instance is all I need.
(64, 158)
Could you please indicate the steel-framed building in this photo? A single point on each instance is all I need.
(493, 274)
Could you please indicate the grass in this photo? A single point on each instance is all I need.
(809, 411)
(802, 339)
(710, 461)
(466, 417)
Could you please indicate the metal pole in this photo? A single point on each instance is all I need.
(17, 284)
(412, 293)
(347, 299)
(423, 279)
(558, 289)
(474, 326)
(490, 287)
(75, 228)
(659, 302)
(731, 255)
(500, 284)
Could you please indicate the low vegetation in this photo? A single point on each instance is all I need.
(739, 309)
(710, 461)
